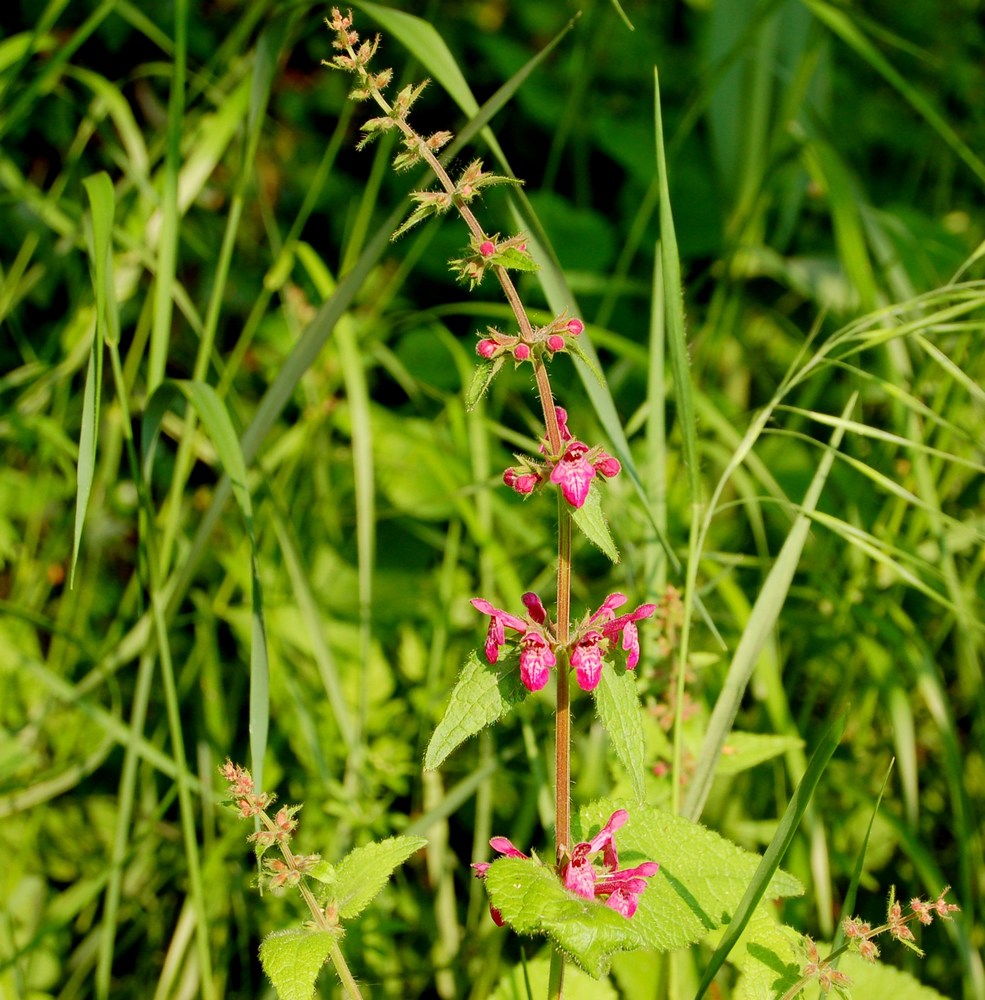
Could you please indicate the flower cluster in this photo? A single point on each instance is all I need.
(549, 340)
(277, 873)
(598, 633)
(586, 874)
(859, 935)
(572, 470)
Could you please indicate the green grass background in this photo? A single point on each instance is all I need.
(274, 556)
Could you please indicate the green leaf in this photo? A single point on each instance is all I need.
(532, 900)
(573, 346)
(593, 525)
(360, 876)
(619, 709)
(481, 380)
(484, 694)
(515, 260)
(702, 875)
(745, 750)
(292, 960)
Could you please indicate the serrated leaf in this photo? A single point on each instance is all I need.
(592, 524)
(484, 694)
(767, 956)
(481, 380)
(618, 707)
(702, 876)
(515, 260)
(292, 960)
(361, 875)
(532, 900)
(418, 215)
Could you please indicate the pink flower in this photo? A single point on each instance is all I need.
(576, 468)
(535, 607)
(536, 659)
(555, 342)
(521, 352)
(626, 625)
(586, 658)
(621, 889)
(575, 327)
(480, 868)
(487, 249)
(486, 348)
(500, 620)
(562, 422)
(537, 645)
(574, 474)
(522, 482)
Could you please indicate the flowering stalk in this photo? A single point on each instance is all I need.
(567, 463)
(290, 869)
(860, 937)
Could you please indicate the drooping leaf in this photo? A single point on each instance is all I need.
(481, 380)
(532, 900)
(484, 693)
(593, 525)
(618, 707)
(360, 876)
(292, 960)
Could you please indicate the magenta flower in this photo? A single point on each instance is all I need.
(586, 658)
(522, 482)
(480, 868)
(577, 467)
(575, 327)
(536, 659)
(626, 625)
(487, 348)
(621, 889)
(537, 645)
(500, 620)
(487, 248)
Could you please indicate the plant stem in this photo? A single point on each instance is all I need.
(338, 959)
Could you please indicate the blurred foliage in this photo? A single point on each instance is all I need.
(810, 187)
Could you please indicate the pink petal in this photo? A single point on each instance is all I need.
(609, 605)
(607, 465)
(574, 474)
(579, 877)
(534, 607)
(622, 902)
(587, 661)
(536, 659)
(505, 847)
(575, 327)
(631, 643)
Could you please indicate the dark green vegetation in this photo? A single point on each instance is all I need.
(827, 193)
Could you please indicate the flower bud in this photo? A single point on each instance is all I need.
(521, 352)
(555, 343)
(487, 249)
(575, 327)
(486, 348)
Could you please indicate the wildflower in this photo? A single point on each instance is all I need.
(521, 352)
(574, 327)
(480, 868)
(536, 659)
(586, 658)
(626, 626)
(487, 248)
(537, 646)
(621, 889)
(576, 468)
(499, 621)
(522, 482)
(487, 348)
(555, 343)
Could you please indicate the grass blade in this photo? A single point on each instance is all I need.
(782, 839)
(762, 620)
